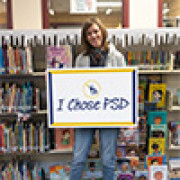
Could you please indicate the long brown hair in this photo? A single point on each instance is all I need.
(85, 44)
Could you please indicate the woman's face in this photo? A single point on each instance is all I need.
(94, 36)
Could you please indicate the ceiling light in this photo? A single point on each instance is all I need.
(109, 4)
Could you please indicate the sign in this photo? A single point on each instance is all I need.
(92, 97)
(83, 6)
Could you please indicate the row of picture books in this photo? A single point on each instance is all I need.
(25, 60)
(16, 97)
(149, 60)
(92, 171)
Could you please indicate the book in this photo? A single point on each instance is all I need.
(59, 57)
(64, 139)
(151, 160)
(157, 94)
(132, 150)
(59, 172)
(123, 165)
(121, 151)
(174, 168)
(157, 117)
(126, 176)
(158, 172)
(158, 131)
(157, 146)
(128, 135)
(141, 175)
(93, 165)
(174, 127)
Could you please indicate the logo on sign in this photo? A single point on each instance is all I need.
(91, 89)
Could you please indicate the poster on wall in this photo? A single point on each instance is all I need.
(83, 6)
(92, 97)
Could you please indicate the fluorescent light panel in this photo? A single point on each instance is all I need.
(109, 4)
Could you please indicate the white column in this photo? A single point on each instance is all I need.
(26, 14)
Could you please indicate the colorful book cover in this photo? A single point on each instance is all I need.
(152, 160)
(129, 135)
(59, 57)
(126, 176)
(158, 172)
(157, 117)
(157, 146)
(157, 93)
(121, 151)
(93, 165)
(158, 131)
(123, 165)
(58, 172)
(174, 168)
(132, 150)
(141, 175)
(64, 139)
(175, 133)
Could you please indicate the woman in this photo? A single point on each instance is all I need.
(97, 53)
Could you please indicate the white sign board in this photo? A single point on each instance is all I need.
(92, 97)
(83, 6)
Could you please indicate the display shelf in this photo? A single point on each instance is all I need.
(33, 115)
(174, 108)
(174, 148)
(169, 72)
(24, 76)
(34, 156)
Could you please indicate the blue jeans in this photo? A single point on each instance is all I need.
(83, 141)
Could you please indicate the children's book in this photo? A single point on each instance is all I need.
(158, 131)
(175, 133)
(121, 151)
(141, 175)
(157, 117)
(158, 172)
(134, 162)
(59, 57)
(64, 139)
(123, 165)
(174, 168)
(152, 160)
(157, 146)
(157, 93)
(129, 136)
(59, 172)
(126, 176)
(93, 165)
(132, 150)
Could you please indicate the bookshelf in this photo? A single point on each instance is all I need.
(153, 40)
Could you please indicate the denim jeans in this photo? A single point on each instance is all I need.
(83, 141)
